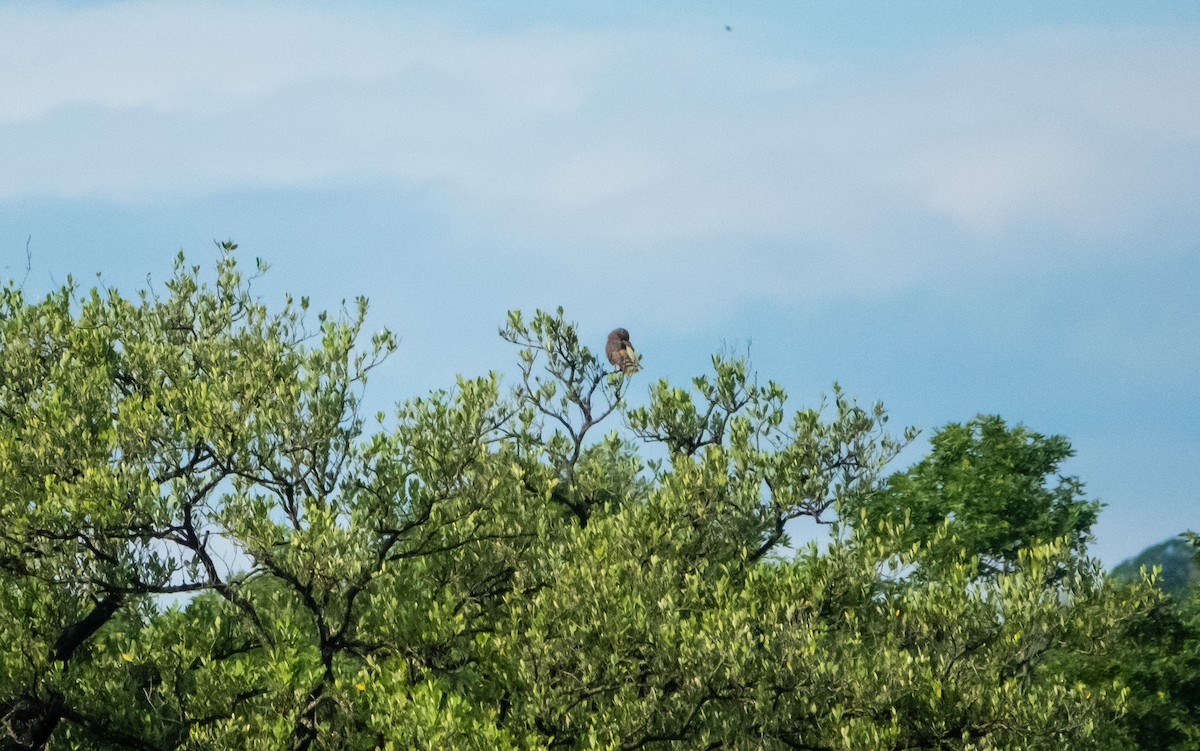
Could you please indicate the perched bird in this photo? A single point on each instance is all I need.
(621, 353)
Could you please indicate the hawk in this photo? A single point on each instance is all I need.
(621, 353)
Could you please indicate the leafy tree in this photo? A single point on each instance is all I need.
(992, 491)
(483, 569)
(1158, 658)
(995, 488)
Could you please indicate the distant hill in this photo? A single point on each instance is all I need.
(1177, 558)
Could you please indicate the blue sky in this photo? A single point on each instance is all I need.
(953, 208)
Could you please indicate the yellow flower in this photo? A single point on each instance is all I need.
(361, 686)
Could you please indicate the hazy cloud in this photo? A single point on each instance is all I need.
(678, 148)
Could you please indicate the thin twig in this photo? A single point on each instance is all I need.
(28, 260)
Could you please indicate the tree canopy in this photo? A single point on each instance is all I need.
(205, 544)
(997, 489)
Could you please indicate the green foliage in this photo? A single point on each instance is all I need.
(1160, 663)
(1157, 655)
(996, 489)
(490, 572)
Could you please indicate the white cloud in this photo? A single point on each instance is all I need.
(189, 57)
(984, 183)
(1076, 129)
(731, 173)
